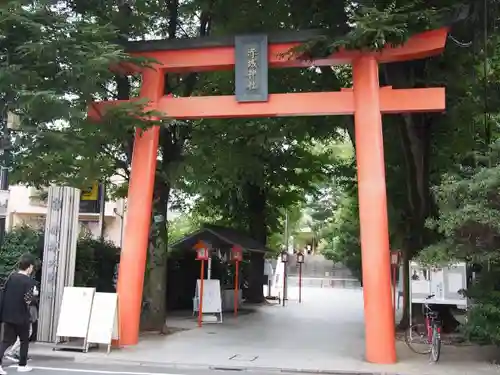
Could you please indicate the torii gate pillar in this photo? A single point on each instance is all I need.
(375, 254)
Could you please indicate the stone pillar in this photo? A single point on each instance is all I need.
(59, 256)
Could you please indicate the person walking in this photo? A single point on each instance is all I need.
(18, 293)
(13, 354)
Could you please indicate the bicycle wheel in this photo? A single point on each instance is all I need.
(416, 338)
(435, 345)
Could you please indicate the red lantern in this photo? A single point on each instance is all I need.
(300, 258)
(237, 253)
(201, 251)
(395, 257)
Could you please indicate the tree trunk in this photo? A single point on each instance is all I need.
(415, 134)
(154, 314)
(256, 201)
(155, 296)
(171, 143)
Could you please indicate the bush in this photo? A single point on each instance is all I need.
(96, 264)
(483, 325)
(469, 225)
(17, 242)
(95, 260)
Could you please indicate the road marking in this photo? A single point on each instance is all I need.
(95, 371)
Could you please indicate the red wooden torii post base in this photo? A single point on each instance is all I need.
(367, 101)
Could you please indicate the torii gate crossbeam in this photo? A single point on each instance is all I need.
(367, 101)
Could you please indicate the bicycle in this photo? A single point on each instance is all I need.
(429, 333)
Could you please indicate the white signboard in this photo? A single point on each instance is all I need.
(455, 282)
(443, 283)
(103, 327)
(420, 287)
(212, 301)
(76, 308)
(268, 269)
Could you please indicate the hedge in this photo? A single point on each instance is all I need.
(95, 260)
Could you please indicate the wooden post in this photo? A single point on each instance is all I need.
(236, 288)
(200, 309)
(300, 282)
(394, 288)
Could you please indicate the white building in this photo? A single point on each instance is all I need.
(27, 207)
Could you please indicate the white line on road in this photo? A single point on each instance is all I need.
(95, 371)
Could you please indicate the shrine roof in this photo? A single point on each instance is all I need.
(218, 237)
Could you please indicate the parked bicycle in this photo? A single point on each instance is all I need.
(425, 338)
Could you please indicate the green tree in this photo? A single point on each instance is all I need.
(101, 151)
(341, 237)
(468, 222)
(52, 65)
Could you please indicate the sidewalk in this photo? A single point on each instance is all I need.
(323, 334)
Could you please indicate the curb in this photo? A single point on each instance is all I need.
(221, 368)
(68, 356)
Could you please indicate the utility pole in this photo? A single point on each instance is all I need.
(4, 197)
(102, 206)
(285, 265)
(286, 231)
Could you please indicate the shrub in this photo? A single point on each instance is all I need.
(19, 241)
(483, 325)
(95, 260)
(96, 264)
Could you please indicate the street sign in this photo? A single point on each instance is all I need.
(90, 199)
(91, 193)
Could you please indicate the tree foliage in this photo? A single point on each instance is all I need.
(342, 244)
(469, 213)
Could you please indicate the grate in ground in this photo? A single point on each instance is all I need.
(243, 358)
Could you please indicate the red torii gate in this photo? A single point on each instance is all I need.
(366, 100)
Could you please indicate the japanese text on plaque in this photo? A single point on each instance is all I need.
(252, 69)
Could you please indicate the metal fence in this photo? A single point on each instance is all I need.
(317, 266)
(323, 282)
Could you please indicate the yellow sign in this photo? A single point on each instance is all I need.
(90, 194)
